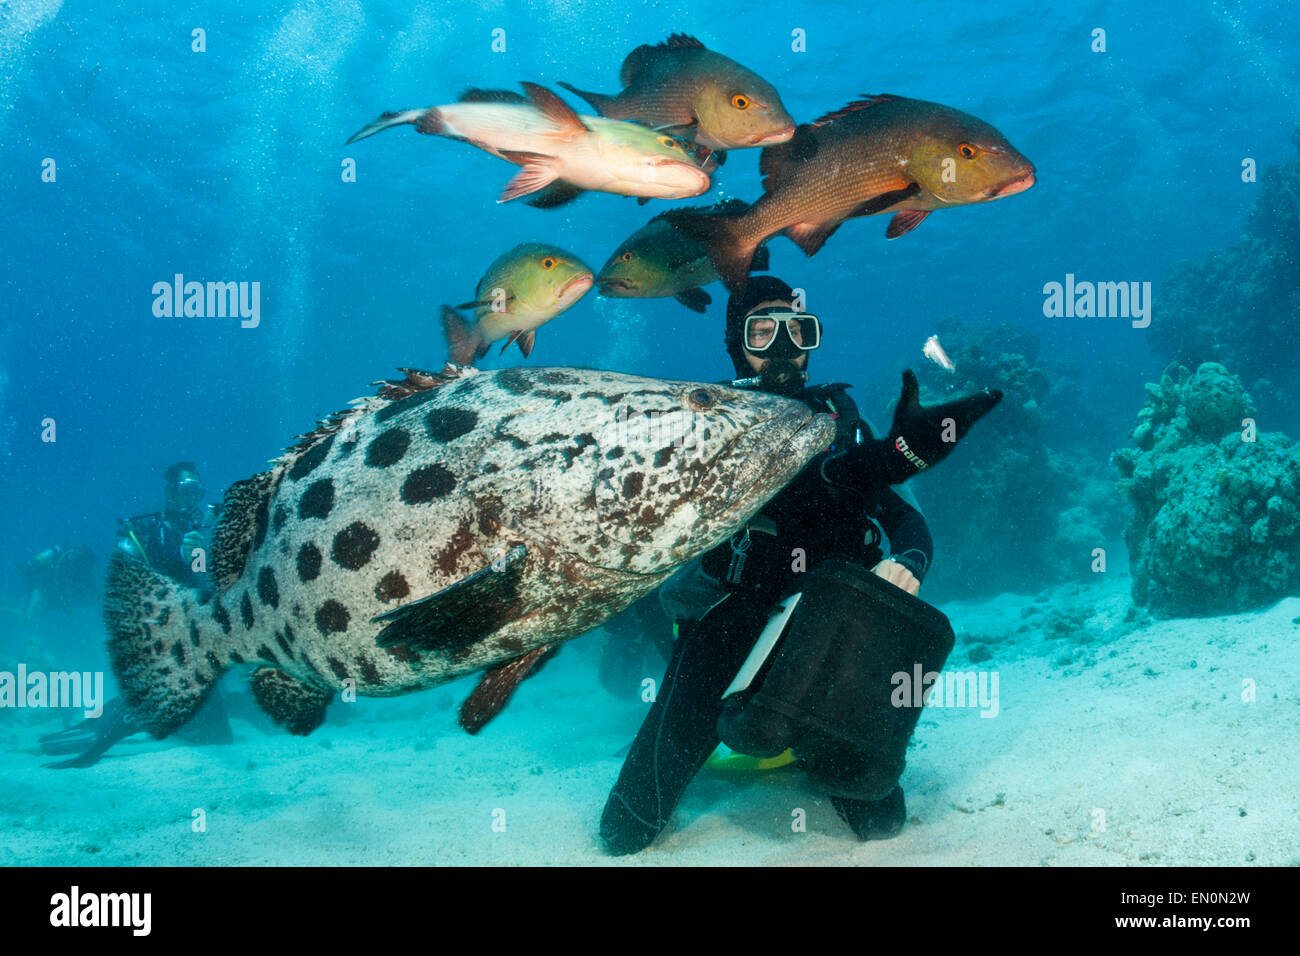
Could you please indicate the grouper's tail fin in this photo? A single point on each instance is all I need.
(723, 236)
(424, 123)
(162, 647)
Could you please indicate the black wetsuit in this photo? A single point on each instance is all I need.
(821, 515)
(162, 537)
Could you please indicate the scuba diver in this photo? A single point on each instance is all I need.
(165, 541)
(801, 619)
(57, 579)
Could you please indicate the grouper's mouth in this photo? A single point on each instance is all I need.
(767, 470)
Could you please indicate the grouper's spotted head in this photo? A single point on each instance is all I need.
(638, 474)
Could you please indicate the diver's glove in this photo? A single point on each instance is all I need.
(920, 437)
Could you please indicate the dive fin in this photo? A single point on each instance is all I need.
(295, 705)
(905, 222)
(497, 685)
(694, 299)
(462, 613)
(464, 341)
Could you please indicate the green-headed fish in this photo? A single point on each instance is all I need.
(880, 154)
(522, 290)
(561, 152)
(683, 87)
(658, 260)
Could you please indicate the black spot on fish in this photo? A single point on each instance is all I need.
(237, 657)
(267, 588)
(369, 671)
(246, 611)
(614, 453)
(406, 404)
(662, 456)
(559, 394)
(202, 679)
(178, 652)
(609, 399)
(551, 438)
(164, 615)
(332, 617)
(308, 562)
(284, 645)
(425, 484)
(491, 468)
(354, 545)
(281, 516)
(511, 644)
(555, 377)
(194, 634)
(633, 484)
(339, 670)
(346, 448)
(448, 424)
(310, 461)
(391, 587)
(388, 448)
(214, 663)
(583, 441)
(288, 634)
(266, 654)
(221, 616)
(318, 500)
(516, 381)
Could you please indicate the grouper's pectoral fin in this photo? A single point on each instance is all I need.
(293, 704)
(498, 684)
(462, 613)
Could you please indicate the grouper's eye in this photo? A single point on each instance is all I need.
(701, 398)
(625, 257)
(968, 151)
(740, 101)
(670, 142)
(548, 263)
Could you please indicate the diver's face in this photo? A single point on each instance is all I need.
(762, 331)
(187, 492)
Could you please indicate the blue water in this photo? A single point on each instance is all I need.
(226, 165)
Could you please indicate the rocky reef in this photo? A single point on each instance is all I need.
(1241, 306)
(1216, 524)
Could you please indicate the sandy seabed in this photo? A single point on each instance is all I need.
(1129, 750)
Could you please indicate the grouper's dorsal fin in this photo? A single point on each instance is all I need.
(498, 684)
(640, 58)
(418, 380)
(867, 101)
(244, 515)
(460, 614)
